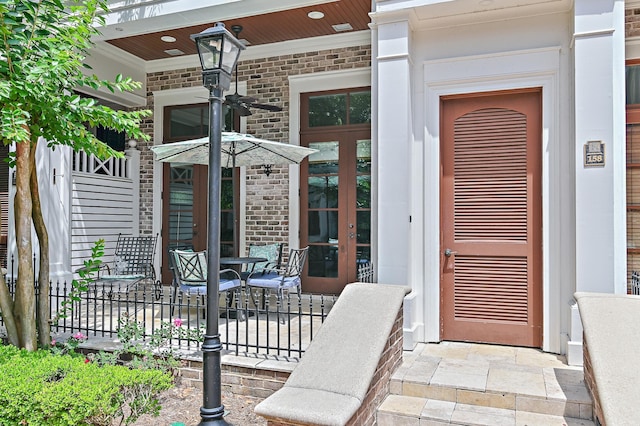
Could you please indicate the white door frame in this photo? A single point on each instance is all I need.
(485, 73)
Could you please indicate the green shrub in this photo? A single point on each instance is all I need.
(38, 388)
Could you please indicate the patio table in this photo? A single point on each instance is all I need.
(236, 262)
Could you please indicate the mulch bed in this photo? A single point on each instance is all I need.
(181, 404)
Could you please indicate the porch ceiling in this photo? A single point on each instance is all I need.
(258, 28)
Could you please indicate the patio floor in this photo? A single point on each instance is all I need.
(478, 384)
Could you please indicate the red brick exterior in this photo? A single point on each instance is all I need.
(632, 22)
(256, 382)
(591, 383)
(267, 215)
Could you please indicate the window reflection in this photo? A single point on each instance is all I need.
(360, 107)
(323, 261)
(323, 192)
(328, 110)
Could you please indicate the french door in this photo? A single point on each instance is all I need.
(185, 189)
(336, 208)
(185, 202)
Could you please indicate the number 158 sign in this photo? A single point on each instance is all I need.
(594, 154)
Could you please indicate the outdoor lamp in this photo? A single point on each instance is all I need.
(218, 50)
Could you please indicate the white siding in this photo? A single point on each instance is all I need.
(101, 207)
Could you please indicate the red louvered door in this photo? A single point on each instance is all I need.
(491, 218)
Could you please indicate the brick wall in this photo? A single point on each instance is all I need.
(632, 22)
(591, 383)
(267, 215)
(256, 382)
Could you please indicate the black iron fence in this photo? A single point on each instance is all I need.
(264, 326)
(635, 283)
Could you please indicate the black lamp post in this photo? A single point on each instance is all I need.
(218, 50)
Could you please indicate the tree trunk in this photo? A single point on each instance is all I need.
(44, 327)
(24, 305)
(6, 307)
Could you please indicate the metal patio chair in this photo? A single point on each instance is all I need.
(132, 266)
(190, 276)
(271, 252)
(282, 279)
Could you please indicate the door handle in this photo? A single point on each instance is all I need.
(448, 252)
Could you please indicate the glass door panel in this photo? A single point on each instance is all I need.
(322, 213)
(180, 230)
(363, 202)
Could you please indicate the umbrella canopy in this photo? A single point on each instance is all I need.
(237, 150)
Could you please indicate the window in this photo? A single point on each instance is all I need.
(339, 109)
(183, 122)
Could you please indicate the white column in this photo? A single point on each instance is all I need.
(133, 172)
(394, 160)
(600, 118)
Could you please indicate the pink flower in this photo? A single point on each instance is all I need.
(87, 361)
(177, 322)
(79, 336)
(53, 342)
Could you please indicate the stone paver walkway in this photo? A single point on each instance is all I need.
(478, 384)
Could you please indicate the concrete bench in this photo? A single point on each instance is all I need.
(611, 347)
(345, 372)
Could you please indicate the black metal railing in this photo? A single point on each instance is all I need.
(267, 326)
(635, 283)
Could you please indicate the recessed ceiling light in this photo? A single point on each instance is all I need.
(485, 2)
(168, 39)
(315, 15)
(174, 52)
(342, 27)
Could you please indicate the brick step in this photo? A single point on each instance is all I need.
(400, 410)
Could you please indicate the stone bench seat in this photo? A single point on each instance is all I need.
(611, 325)
(360, 340)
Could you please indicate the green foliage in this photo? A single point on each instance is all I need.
(87, 275)
(157, 353)
(69, 346)
(43, 46)
(42, 389)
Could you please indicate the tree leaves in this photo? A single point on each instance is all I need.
(42, 51)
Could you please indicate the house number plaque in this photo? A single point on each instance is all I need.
(594, 154)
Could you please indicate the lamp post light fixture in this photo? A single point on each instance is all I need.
(218, 50)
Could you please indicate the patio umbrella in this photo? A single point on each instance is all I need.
(238, 149)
